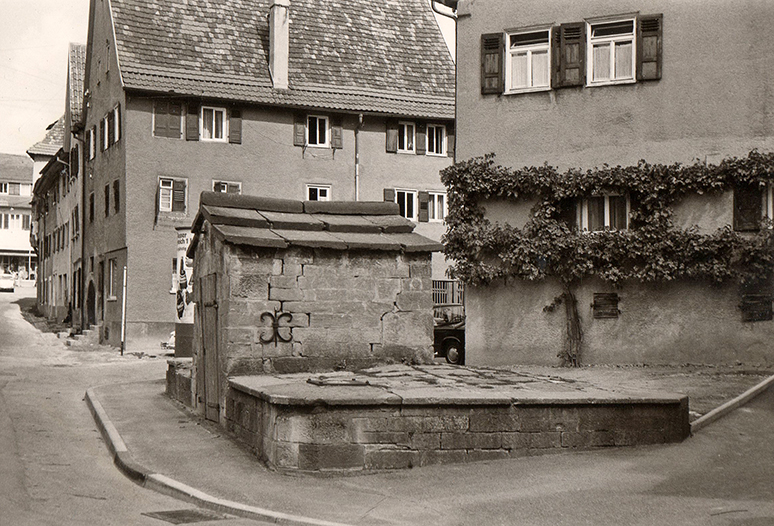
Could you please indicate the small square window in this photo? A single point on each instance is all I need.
(436, 139)
(437, 207)
(528, 65)
(227, 187)
(318, 192)
(406, 137)
(605, 305)
(213, 124)
(756, 307)
(317, 131)
(611, 52)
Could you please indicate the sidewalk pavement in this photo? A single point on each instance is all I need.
(164, 447)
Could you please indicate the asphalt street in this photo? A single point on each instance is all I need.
(54, 466)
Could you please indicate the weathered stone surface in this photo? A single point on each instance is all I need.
(327, 457)
(253, 286)
(542, 440)
(283, 282)
(585, 439)
(409, 329)
(278, 294)
(392, 459)
(471, 440)
(420, 302)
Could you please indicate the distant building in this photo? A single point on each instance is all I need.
(44, 150)
(57, 207)
(294, 99)
(16, 253)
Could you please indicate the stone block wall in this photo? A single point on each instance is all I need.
(401, 436)
(179, 380)
(339, 310)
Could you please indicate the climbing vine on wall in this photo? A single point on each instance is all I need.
(651, 250)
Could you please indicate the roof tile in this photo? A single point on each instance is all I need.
(52, 142)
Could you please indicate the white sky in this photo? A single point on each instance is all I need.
(34, 38)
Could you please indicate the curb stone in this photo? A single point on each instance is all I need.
(729, 406)
(123, 459)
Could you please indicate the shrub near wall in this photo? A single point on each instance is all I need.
(652, 250)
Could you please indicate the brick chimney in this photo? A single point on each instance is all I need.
(279, 42)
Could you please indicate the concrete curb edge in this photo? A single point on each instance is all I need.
(123, 459)
(729, 406)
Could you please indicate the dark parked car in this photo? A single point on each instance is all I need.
(449, 333)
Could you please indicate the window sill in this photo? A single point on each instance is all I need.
(319, 146)
(528, 90)
(429, 154)
(610, 83)
(202, 139)
(407, 152)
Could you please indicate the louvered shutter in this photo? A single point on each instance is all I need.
(111, 131)
(192, 122)
(102, 144)
(389, 195)
(174, 120)
(161, 118)
(570, 55)
(87, 145)
(450, 140)
(649, 38)
(178, 196)
(337, 134)
(748, 208)
(424, 203)
(392, 137)
(299, 130)
(420, 145)
(492, 75)
(235, 126)
(232, 188)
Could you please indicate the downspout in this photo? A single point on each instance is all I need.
(357, 156)
(450, 4)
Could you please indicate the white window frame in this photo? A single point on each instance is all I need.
(435, 128)
(583, 213)
(221, 182)
(163, 189)
(433, 205)
(407, 137)
(510, 51)
(92, 143)
(327, 127)
(320, 188)
(414, 199)
(112, 274)
(116, 124)
(224, 125)
(106, 133)
(611, 40)
(768, 202)
(4, 188)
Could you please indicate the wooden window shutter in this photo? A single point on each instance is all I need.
(450, 138)
(605, 305)
(649, 43)
(389, 195)
(748, 208)
(102, 144)
(178, 196)
(337, 134)
(174, 119)
(161, 115)
(235, 126)
(111, 125)
(192, 122)
(87, 145)
(299, 130)
(492, 75)
(424, 203)
(420, 143)
(568, 213)
(232, 188)
(570, 55)
(392, 136)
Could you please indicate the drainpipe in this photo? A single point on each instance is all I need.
(357, 156)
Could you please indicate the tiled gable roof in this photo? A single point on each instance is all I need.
(77, 70)
(15, 168)
(281, 223)
(352, 55)
(52, 142)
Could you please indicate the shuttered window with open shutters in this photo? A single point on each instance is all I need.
(235, 126)
(192, 122)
